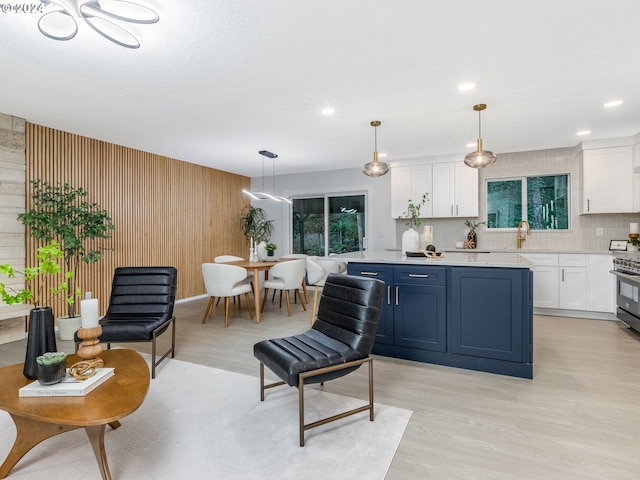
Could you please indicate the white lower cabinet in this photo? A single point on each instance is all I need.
(601, 284)
(573, 281)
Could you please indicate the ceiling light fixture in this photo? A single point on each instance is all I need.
(263, 195)
(465, 87)
(58, 23)
(375, 168)
(480, 158)
(328, 111)
(613, 103)
(583, 132)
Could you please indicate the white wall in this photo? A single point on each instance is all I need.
(380, 228)
(383, 232)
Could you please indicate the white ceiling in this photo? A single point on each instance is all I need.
(217, 80)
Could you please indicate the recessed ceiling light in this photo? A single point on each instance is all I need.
(583, 132)
(471, 145)
(381, 154)
(613, 103)
(466, 87)
(328, 111)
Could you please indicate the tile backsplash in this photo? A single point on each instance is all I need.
(582, 234)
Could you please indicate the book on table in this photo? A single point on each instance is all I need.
(69, 387)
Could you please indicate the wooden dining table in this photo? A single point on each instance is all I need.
(256, 268)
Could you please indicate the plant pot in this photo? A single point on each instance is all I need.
(68, 326)
(270, 253)
(40, 339)
(50, 374)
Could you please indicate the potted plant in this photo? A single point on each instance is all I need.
(254, 224)
(270, 247)
(411, 217)
(472, 236)
(60, 213)
(41, 337)
(51, 367)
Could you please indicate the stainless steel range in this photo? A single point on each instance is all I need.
(626, 268)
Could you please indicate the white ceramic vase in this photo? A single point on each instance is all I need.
(410, 241)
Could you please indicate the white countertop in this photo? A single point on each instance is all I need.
(461, 258)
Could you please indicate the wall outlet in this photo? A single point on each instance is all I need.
(600, 232)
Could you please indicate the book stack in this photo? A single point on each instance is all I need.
(69, 387)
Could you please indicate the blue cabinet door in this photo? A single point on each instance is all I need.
(420, 317)
(384, 334)
(488, 316)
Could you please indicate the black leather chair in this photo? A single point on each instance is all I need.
(339, 342)
(141, 308)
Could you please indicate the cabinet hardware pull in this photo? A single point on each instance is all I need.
(396, 295)
(388, 294)
(375, 274)
(563, 274)
(452, 209)
(457, 210)
(588, 209)
(416, 275)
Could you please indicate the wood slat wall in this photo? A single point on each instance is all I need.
(166, 211)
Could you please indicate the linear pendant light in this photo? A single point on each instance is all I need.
(263, 195)
(375, 168)
(480, 158)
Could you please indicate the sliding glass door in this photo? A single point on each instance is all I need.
(328, 224)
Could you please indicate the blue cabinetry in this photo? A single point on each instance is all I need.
(480, 318)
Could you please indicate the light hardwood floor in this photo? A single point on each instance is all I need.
(579, 418)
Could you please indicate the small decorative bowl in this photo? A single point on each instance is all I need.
(50, 374)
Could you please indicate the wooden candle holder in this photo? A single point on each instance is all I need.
(90, 347)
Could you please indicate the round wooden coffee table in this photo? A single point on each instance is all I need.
(38, 418)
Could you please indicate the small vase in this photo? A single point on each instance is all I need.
(410, 241)
(51, 374)
(40, 339)
(472, 239)
(270, 253)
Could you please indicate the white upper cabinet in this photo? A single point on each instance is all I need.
(410, 183)
(455, 190)
(609, 184)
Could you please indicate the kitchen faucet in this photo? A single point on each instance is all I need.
(520, 238)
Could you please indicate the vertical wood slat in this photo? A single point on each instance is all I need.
(166, 211)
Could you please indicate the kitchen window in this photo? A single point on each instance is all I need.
(328, 224)
(541, 200)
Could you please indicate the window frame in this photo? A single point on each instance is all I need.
(524, 200)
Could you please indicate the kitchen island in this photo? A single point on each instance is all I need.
(463, 309)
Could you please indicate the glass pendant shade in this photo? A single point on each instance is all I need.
(480, 158)
(375, 168)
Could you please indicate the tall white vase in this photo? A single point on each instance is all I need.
(410, 241)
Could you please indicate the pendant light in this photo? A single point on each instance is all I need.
(480, 158)
(263, 195)
(375, 168)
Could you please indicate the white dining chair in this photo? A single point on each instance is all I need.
(304, 284)
(318, 269)
(225, 281)
(286, 276)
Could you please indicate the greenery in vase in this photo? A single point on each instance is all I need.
(254, 224)
(48, 264)
(61, 214)
(270, 247)
(473, 225)
(51, 358)
(411, 216)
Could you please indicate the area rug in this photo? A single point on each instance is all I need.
(203, 423)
